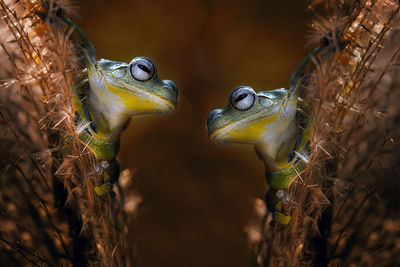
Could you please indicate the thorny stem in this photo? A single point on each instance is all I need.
(395, 54)
(74, 221)
(93, 213)
(263, 239)
(268, 256)
(341, 232)
(32, 210)
(15, 68)
(359, 179)
(81, 244)
(44, 206)
(26, 149)
(21, 250)
(321, 242)
(355, 75)
(369, 52)
(25, 40)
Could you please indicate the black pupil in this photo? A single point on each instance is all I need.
(241, 97)
(144, 68)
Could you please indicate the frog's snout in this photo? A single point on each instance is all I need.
(212, 116)
(171, 86)
(169, 95)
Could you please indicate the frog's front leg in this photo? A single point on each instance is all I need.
(88, 132)
(277, 195)
(105, 152)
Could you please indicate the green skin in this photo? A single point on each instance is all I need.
(106, 94)
(277, 125)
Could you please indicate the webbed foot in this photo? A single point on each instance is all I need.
(104, 189)
(281, 218)
(110, 172)
(275, 200)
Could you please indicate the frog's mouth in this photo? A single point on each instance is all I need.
(165, 105)
(142, 101)
(246, 130)
(161, 104)
(218, 136)
(221, 135)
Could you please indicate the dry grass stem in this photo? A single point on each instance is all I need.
(348, 192)
(48, 209)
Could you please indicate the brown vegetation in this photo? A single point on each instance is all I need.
(345, 206)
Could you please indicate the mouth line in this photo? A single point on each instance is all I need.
(168, 106)
(218, 132)
(166, 103)
(213, 136)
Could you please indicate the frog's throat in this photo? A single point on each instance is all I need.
(167, 106)
(87, 130)
(297, 161)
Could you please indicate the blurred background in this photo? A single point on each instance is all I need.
(197, 197)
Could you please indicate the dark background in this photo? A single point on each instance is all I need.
(197, 196)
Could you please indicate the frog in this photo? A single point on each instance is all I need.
(106, 94)
(278, 123)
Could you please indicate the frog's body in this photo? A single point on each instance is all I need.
(277, 125)
(106, 94)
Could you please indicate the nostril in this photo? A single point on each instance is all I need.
(171, 86)
(213, 115)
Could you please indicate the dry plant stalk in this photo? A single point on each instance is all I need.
(344, 207)
(49, 213)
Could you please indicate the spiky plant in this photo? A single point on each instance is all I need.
(344, 206)
(49, 212)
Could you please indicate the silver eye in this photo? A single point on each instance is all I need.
(142, 69)
(243, 98)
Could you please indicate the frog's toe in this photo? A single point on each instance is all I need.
(103, 189)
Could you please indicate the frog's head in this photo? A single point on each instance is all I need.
(252, 117)
(132, 88)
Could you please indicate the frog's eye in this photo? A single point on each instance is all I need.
(243, 98)
(142, 69)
